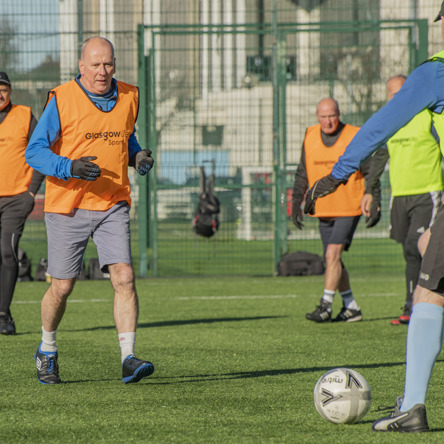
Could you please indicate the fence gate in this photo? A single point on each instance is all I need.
(237, 99)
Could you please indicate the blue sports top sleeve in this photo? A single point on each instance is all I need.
(424, 88)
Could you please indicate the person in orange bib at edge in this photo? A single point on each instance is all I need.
(339, 214)
(83, 143)
(18, 186)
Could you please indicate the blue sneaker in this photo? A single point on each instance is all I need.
(47, 367)
(134, 369)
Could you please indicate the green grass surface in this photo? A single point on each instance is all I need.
(235, 359)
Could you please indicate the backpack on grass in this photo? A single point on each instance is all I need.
(300, 263)
(206, 222)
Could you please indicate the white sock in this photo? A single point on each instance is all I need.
(127, 343)
(328, 296)
(48, 341)
(349, 300)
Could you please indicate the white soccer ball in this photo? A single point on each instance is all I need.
(342, 396)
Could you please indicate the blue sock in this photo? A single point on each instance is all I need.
(424, 341)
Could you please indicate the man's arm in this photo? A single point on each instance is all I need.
(377, 165)
(38, 153)
(424, 88)
(37, 178)
(299, 188)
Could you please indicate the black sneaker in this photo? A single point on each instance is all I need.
(321, 314)
(47, 367)
(411, 421)
(7, 324)
(134, 369)
(348, 315)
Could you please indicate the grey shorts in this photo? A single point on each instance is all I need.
(338, 230)
(68, 236)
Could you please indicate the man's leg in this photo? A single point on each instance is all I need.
(424, 337)
(14, 210)
(424, 342)
(126, 313)
(52, 310)
(412, 266)
(8, 277)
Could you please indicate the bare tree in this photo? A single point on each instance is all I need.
(8, 50)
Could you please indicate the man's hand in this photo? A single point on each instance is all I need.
(84, 169)
(371, 209)
(142, 161)
(296, 215)
(321, 188)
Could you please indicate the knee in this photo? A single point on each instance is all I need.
(122, 275)
(333, 256)
(423, 242)
(411, 251)
(61, 288)
(9, 245)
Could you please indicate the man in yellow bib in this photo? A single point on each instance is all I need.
(83, 143)
(339, 214)
(416, 182)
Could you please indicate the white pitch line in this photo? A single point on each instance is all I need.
(75, 301)
(212, 298)
(277, 296)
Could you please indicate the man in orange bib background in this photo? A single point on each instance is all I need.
(338, 216)
(18, 186)
(84, 143)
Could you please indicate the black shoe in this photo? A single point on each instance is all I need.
(134, 369)
(47, 367)
(321, 314)
(7, 324)
(411, 421)
(348, 315)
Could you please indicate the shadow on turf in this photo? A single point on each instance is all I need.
(278, 372)
(184, 322)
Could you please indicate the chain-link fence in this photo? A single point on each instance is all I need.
(231, 86)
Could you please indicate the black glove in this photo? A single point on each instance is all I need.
(84, 169)
(375, 214)
(321, 188)
(142, 161)
(296, 214)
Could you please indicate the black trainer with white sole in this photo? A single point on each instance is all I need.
(411, 421)
(322, 313)
(348, 315)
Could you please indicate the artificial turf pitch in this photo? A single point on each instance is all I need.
(235, 362)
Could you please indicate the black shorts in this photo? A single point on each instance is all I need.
(13, 212)
(338, 230)
(431, 275)
(410, 216)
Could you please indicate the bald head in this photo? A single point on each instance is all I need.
(328, 114)
(394, 85)
(96, 40)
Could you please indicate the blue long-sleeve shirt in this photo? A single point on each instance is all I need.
(424, 88)
(38, 153)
